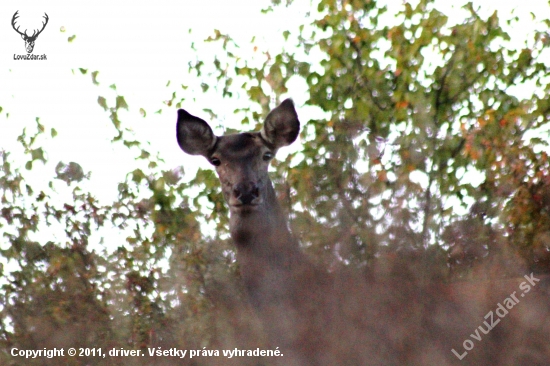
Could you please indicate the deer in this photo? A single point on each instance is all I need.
(275, 272)
(29, 40)
(321, 318)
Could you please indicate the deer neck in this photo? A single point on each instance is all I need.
(263, 228)
(261, 236)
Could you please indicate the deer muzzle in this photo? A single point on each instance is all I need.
(246, 194)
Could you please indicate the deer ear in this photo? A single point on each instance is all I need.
(194, 135)
(281, 126)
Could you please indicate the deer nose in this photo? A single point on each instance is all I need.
(245, 193)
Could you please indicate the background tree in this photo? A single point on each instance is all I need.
(426, 131)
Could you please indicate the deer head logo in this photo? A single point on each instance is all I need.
(29, 40)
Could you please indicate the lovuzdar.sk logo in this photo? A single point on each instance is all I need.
(29, 39)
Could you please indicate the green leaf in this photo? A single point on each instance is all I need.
(121, 103)
(38, 154)
(131, 143)
(102, 102)
(144, 155)
(94, 77)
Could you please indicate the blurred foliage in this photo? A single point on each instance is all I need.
(416, 113)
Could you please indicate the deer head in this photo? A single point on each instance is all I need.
(242, 160)
(29, 40)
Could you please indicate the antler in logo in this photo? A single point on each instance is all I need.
(29, 40)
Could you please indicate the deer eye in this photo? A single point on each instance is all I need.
(268, 156)
(215, 161)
